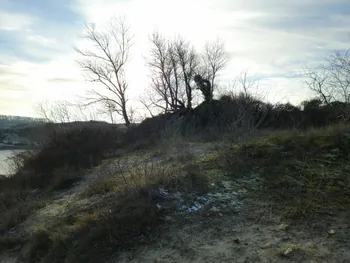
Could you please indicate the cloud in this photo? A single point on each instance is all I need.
(273, 39)
(62, 80)
(15, 22)
(36, 43)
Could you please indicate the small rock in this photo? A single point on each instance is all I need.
(288, 252)
(226, 184)
(283, 226)
(75, 243)
(168, 218)
(331, 232)
(214, 209)
(236, 241)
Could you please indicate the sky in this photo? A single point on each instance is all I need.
(272, 39)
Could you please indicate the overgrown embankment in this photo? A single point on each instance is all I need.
(55, 166)
(304, 173)
(88, 195)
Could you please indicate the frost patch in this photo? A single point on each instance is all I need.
(215, 202)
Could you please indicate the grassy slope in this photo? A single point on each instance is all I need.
(304, 173)
(300, 175)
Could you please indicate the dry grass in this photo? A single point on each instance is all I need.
(91, 235)
(124, 213)
(129, 175)
(63, 178)
(11, 242)
(15, 207)
(304, 173)
(57, 165)
(114, 223)
(18, 201)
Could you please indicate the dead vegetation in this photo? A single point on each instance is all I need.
(303, 174)
(125, 214)
(39, 173)
(123, 210)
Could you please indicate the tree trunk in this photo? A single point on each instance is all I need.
(125, 115)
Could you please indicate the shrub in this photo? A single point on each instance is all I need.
(9, 242)
(124, 212)
(16, 206)
(108, 226)
(66, 151)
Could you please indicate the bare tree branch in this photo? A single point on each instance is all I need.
(105, 61)
(331, 81)
(215, 59)
(317, 82)
(173, 66)
(55, 111)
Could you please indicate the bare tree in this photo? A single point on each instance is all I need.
(42, 110)
(247, 83)
(105, 62)
(159, 94)
(215, 59)
(108, 109)
(174, 66)
(188, 62)
(317, 81)
(339, 74)
(331, 81)
(86, 113)
(55, 111)
(62, 111)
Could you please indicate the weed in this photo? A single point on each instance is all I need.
(63, 178)
(15, 208)
(11, 242)
(304, 173)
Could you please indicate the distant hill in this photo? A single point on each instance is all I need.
(24, 132)
(8, 121)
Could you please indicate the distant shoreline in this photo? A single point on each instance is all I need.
(11, 147)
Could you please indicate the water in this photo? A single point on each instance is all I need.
(4, 167)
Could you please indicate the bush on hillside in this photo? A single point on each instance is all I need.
(75, 149)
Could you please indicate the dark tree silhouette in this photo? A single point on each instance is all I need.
(205, 87)
(173, 66)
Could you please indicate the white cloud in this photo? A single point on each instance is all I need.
(15, 22)
(274, 50)
(40, 40)
(25, 84)
(273, 39)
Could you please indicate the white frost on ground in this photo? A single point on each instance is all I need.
(212, 201)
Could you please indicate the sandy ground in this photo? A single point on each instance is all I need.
(254, 234)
